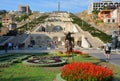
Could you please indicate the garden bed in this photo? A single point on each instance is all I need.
(44, 61)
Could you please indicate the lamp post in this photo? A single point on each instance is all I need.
(27, 24)
(82, 22)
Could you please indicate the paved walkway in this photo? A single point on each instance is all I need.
(115, 57)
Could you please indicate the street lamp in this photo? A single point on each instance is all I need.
(27, 24)
(82, 22)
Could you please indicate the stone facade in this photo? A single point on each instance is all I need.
(24, 9)
(6, 21)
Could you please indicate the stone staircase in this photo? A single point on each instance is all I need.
(19, 39)
(4, 39)
(94, 41)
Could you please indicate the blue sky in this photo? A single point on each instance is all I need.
(48, 5)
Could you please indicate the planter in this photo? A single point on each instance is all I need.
(59, 78)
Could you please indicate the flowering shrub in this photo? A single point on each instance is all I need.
(64, 55)
(78, 52)
(78, 71)
(59, 51)
(75, 52)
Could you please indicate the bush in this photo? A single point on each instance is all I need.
(5, 64)
(6, 56)
(20, 59)
(78, 71)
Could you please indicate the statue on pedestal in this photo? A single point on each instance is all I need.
(69, 43)
(114, 40)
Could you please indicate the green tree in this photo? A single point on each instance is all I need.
(0, 24)
(95, 13)
(23, 17)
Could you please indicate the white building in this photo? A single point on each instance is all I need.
(113, 18)
(108, 16)
(101, 5)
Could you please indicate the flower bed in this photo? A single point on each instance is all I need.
(64, 55)
(44, 61)
(59, 51)
(78, 52)
(78, 71)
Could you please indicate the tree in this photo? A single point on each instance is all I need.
(0, 24)
(23, 17)
(95, 13)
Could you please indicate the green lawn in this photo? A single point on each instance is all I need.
(20, 72)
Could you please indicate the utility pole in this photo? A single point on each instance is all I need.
(58, 6)
(28, 17)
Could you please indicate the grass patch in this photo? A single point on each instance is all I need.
(20, 72)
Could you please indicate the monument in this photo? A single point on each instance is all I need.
(69, 43)
(115, 39)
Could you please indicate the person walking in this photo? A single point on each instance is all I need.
(6, 47)
(107, 49)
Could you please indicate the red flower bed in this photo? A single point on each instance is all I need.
(78, 71)
(75, 52)
(78, 52)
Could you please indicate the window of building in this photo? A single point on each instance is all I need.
(113, 20)
(100, 8)
(108, 20)
(99, 5)
(111, 4)
(119, 4)
(116, 4)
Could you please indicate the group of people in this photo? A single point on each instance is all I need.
(52, 44)
(11, 46)
(7, 46)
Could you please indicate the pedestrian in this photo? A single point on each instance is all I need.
(6, 47)
(10, 45)
(107, 49)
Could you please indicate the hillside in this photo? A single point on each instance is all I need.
(105, 27)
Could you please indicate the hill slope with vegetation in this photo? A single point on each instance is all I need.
(92, 30)
(90, 18)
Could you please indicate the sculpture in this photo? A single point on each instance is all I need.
(114, 39)
(69, 43)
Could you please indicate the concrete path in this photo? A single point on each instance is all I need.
(115, 57)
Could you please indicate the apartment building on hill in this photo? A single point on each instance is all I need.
(101, 5)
